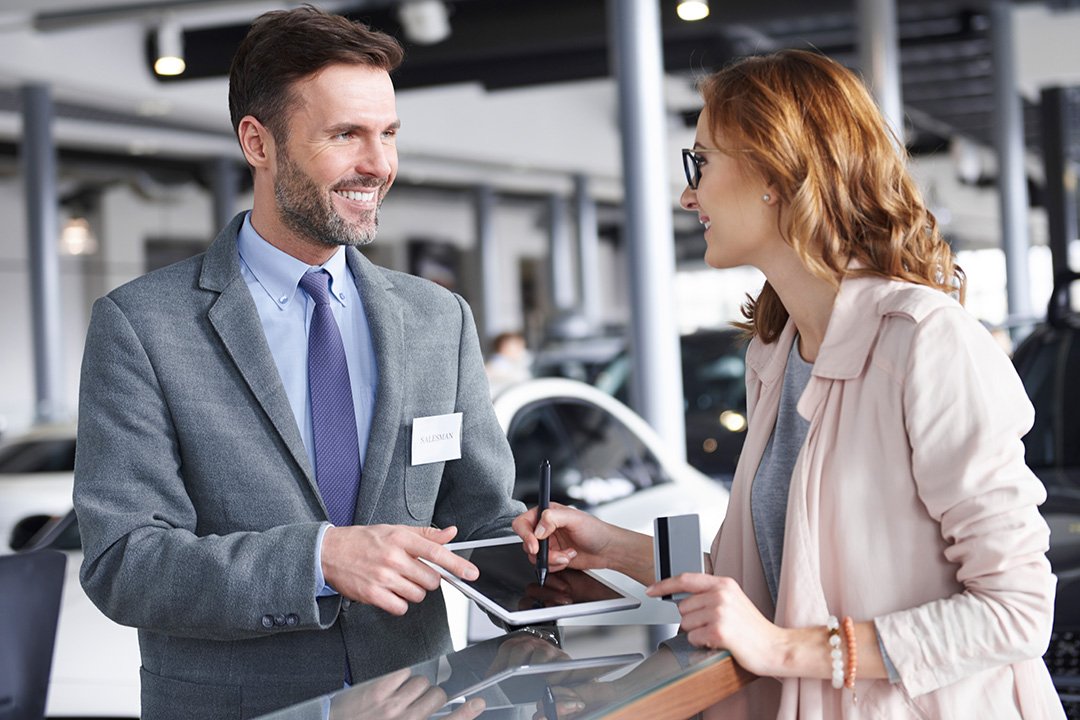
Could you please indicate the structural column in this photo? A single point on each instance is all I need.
(657, 388)
(879, 57)
(560, 257)
(588, 237)
(488, 261)
(225, 186)
(39, 170)
(1054, 107)
(1012, 180)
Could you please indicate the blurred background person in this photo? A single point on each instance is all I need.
(509, 362)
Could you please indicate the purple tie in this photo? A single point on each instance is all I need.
(333, 421)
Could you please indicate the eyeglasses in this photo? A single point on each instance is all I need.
(692, 162)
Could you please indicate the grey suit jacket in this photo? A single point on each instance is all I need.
(197, 505)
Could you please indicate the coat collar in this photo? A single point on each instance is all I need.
(860, 306)
(221, 264)
(236, 321)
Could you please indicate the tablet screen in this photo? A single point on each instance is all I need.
(509, 579)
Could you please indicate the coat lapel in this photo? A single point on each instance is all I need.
(236, 321)
(384, 316)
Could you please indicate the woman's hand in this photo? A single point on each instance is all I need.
(575, 539)
(719, 615)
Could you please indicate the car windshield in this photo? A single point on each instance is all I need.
(38, 456)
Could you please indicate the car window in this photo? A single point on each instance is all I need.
(714, 373)
(64, 536)
(38, 456)
(594, 457)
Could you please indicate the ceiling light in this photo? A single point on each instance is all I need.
(170, 49)
(693, 9)
(425, 22)
(77, 239)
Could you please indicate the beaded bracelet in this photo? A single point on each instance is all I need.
(852, 656)
(837, 656)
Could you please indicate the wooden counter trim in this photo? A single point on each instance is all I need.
(688, 696)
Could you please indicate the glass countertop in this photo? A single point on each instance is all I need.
(524, 674)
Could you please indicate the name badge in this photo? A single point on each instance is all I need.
(436, 438)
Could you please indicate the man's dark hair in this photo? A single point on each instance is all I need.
(284, 46)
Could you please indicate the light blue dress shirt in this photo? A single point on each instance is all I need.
(285, 310)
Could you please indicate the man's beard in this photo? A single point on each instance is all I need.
(305, 209)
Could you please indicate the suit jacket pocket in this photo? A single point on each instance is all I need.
(166, 698)
(422, 489)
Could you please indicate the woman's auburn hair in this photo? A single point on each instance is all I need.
(809, 127)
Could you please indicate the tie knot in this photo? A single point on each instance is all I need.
(317, 286)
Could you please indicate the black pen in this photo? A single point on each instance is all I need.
(551, 711)
(545, 499)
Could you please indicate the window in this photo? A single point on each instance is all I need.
(38, 456)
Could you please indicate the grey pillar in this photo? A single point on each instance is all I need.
(488, 260)
(588, 237)
(657, 389)
(560, 257)
(879, 57)
(1060, 174)
(225, 186)
(1012, 179)
(42, 210)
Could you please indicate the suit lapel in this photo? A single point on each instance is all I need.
(236, 321)
(384, 315)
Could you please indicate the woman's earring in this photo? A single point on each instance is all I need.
(766, 197)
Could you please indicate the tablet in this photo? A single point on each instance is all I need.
(507, 586)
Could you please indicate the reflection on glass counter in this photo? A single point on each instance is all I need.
(524, 674)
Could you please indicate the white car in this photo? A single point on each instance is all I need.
(605, 459)
(95, 669)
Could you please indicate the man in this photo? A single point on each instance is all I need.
(273, 434)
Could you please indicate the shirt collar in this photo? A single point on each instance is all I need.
(279, 273)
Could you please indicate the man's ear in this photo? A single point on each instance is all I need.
(256, 142)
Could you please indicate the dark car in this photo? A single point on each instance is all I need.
(1048, 362)
(714, 388)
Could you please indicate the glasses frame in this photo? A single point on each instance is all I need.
(692, 164)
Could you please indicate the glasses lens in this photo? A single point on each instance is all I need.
(690, 167)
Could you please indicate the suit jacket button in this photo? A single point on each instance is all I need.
(345, 603)
(279, 620)
(292, 620)
(268, 621)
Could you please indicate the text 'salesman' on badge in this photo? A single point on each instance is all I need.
(436, 438)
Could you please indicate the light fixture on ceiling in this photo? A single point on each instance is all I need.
(76, 238)
(425, 22)
(691, 10)
(170, 48)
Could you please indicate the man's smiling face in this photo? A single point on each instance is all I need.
(340, 155)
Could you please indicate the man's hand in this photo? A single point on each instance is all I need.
(380, 564)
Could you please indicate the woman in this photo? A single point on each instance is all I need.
(882, 480)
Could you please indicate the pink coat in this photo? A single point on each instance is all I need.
(910, 505)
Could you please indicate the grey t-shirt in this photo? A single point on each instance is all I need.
(769, 493)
